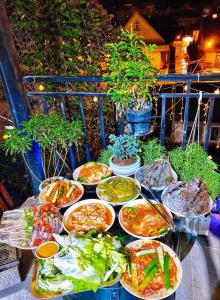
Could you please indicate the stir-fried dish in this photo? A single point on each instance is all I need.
(93, 172)
(86, 262)
(151, 270)
(142, 220)
(61, 193)
(89, 216)
(158, 174)
(118, 189)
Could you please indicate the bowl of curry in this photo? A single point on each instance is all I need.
(140, 220)
(90, 214)
(92, 173)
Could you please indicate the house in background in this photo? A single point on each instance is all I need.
(161, 55)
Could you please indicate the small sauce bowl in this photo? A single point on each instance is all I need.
(47, 250)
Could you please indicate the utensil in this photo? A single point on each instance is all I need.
(161, 206)
(165, 217)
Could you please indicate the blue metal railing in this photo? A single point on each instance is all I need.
(81, 96)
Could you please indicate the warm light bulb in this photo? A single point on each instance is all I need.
(217, 91)
(41, 87)
(209, 44)
(95, 99)
(214, 16)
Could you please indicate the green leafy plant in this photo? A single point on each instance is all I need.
(54, 135)
(151, 150)
(124, 146)
(59, 36)
(105, 155)
(195, 162)
(130, 71)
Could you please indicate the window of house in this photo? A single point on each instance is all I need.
(218, 59)
(137, 26)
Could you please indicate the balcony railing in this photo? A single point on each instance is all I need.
(188, 97)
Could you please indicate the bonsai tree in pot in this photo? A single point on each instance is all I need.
(131, 79)
(125, 160)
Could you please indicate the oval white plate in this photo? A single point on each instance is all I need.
(76, 175)
(69, 203)
(88, 201)
(132, 204)
(138, 244)
(121, 203)
(157, 189)
(184, 216)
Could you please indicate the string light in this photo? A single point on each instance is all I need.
(217, 91)
(95, 99)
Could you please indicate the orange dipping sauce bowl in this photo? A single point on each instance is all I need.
(47, 250)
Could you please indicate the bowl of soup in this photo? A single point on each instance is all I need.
(47, 250)
(140, 220)
(89, 214)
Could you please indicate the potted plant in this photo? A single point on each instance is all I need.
(54, 137)
(124, 160)
(194, 162)
(131, 79)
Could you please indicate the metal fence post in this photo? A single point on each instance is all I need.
(17, 102)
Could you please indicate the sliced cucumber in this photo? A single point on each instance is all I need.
(68, 195)
(160, 256)
(50, 189)
(145, 252)
(55, 197)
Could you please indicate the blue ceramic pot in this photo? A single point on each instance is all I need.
(139, 121)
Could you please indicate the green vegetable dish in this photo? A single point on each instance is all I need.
(118, 190)
(85, 262)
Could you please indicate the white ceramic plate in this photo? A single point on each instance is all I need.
(157, 189)
(164, 293)
(120, 203)
(133, 204)
(77, 171)
(88, 201)
(185, 216)
(69, 203)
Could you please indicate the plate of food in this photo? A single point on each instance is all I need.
(86, 262)
(27, 228)
(62, 193)
(154, 271)
(187, 199)
(48, 181)
(92, 173)
(117, 190)
(89, 214)
(157, 175)
(140, 220)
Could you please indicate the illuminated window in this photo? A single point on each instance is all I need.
(218, 59)
(137, 26)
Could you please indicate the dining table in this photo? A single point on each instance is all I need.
(179, 240)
